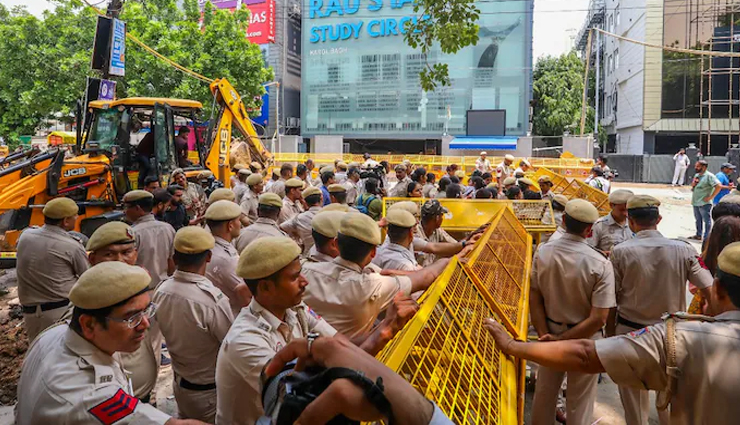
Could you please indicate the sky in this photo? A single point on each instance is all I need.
(555, 22)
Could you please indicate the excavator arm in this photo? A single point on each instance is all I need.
(232, 114)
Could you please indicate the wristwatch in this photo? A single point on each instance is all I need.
(311, 337)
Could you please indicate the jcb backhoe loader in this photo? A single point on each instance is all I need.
(105, 165)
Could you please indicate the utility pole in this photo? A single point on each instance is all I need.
(597, 92)
(114, 9)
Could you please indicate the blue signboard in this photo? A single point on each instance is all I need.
(118, 49)
(107, 90)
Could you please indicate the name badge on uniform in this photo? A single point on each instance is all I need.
(106, 379)
(263, 326)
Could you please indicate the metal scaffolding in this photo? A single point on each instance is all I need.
(714, 104)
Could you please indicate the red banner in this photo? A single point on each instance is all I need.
(261, 28)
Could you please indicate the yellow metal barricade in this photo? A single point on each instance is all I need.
(444, 351)
(574, 188)
(469, 214)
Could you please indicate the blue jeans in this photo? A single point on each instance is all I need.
(703, 218)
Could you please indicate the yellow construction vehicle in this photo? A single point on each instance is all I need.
(105, 165)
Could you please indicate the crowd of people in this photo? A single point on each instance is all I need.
(245, 279)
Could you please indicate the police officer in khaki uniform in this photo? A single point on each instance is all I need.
(430, 229)
(558, 209)
(299, 227)
(223, 194)
(698, 364)
(572, 291)
(241, 187)
(545, 184)
(612, 229)
(266, 225)
(350, 292)
(650, 275)
(115, 241)
(292, 205)
(250, 202)
(222, 218)
(505, 169)
(154, 239)
(338, 194)
(276, 316)
(49, 263)
(72, 372)
(155, 244)
(194, 317)
(403, 180)
(324, 230)
(397, 255)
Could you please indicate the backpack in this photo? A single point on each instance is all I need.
(364, 204)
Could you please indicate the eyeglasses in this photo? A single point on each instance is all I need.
(137, 318)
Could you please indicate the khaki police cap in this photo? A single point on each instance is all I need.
(620, 196)
(254, 179)
(327, 169)
(266, 256)
(460, 174)
(544, 179)
(222, 194)
(327, 223)
(245, 172)
(238, 166)
(137, 195)
(406, 162)
(341, 166)
(177, 171)
(256, 165)
(205, 174)
(582, 210)
(294, 182)
(353, 165)
(336, 188)
(401, 218)
(336, 207)
(509, 157)
(729, 259)
(193, 240)
(509, 180)
(59, 208)
(310, 191)
(399, 167)
(642, 201)
(362, 227)
(223, 210)
(271, 199)
(492, 186)
(526, 181)
(730, 199)
(560, 199)
(112, 233)
(409, 206)
(107, 284)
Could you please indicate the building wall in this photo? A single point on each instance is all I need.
(630, 140)
(361, 80)
(653, 62)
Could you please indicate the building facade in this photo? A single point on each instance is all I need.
(360, 80)
(656, 101)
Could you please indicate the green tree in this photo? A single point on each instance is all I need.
(557, 94)
(45, 61)
(451, 24)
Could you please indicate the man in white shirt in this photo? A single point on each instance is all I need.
(682, 164)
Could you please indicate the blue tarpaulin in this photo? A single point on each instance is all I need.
(484, 142)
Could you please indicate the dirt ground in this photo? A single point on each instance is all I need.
(13, 340)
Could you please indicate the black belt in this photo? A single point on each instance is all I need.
(561, 324)
(30, 309)
(634, 325)
(184, 383)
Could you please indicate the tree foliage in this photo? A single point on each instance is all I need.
(45, 61)
(557, 94)
(451, 24)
